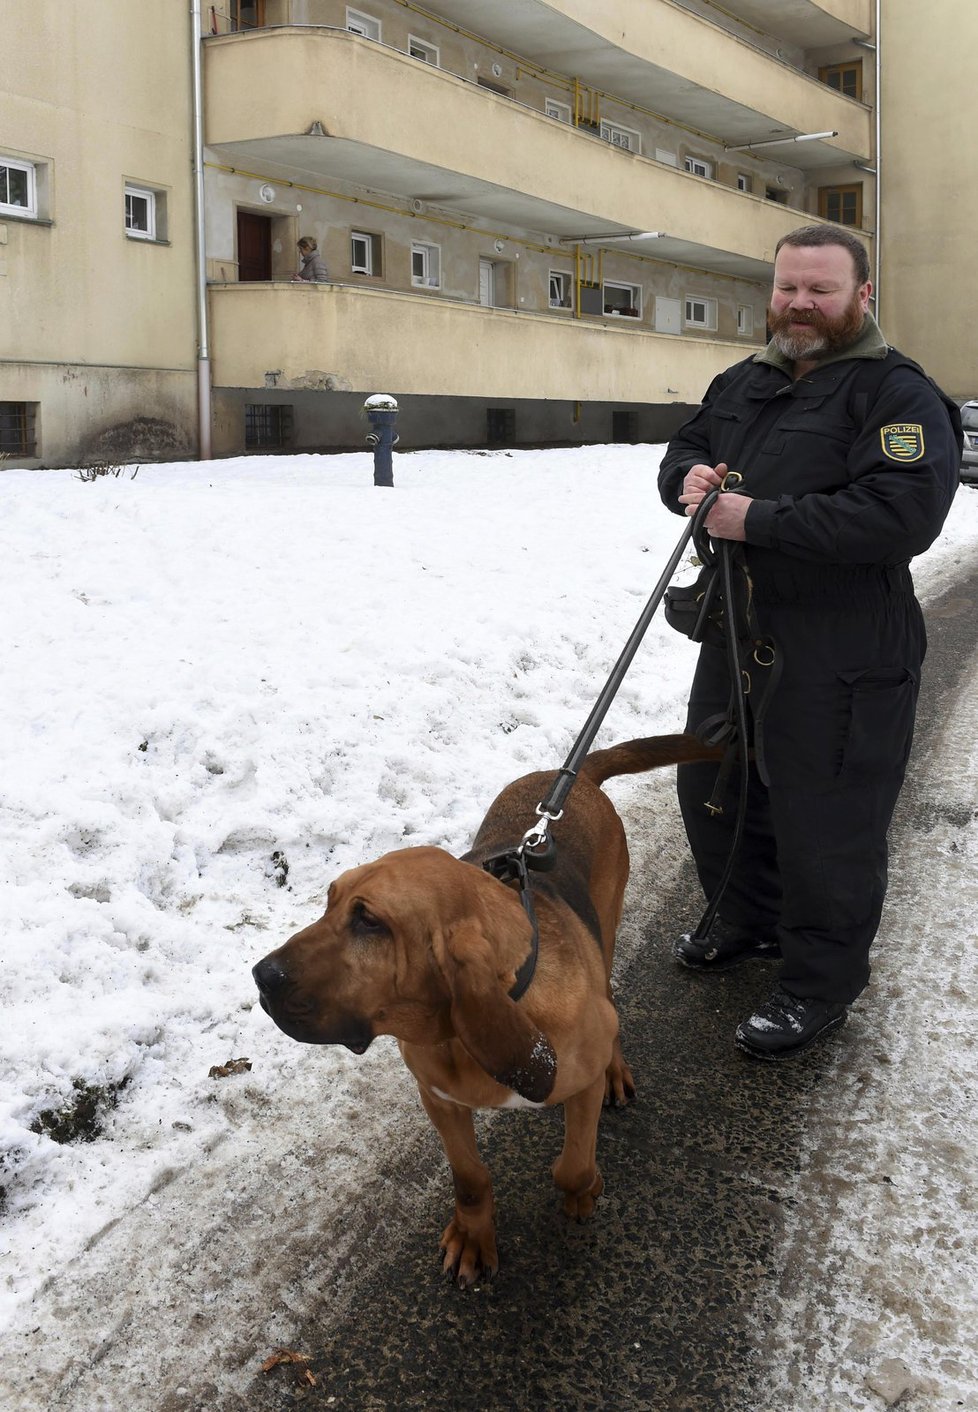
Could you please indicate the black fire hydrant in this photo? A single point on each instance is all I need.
(381, 410)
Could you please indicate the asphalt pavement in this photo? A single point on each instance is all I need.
(653, 1306)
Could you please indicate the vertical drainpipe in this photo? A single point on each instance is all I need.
(203, 350)
(879, 156)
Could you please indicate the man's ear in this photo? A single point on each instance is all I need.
(491, 1026)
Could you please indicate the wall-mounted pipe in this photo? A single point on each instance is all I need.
(203, 346)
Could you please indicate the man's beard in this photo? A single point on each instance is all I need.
(822, 336)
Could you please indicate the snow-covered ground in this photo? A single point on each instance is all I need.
(224, 683)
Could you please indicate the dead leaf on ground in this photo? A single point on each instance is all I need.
(233, 1066)
(286, 1355)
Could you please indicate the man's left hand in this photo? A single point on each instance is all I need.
(726, 519)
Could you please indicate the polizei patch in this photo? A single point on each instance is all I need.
(903, 441)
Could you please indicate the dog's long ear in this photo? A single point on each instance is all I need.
(492, 1027)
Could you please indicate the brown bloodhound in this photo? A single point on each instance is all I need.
(426, 947)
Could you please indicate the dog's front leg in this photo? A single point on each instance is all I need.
(575, 1170)
(468, 1242)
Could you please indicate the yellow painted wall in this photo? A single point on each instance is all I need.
(929, 274)
(98, 94)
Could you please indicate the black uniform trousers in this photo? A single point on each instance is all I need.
(836, 734)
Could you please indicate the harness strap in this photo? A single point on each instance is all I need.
(513, 865)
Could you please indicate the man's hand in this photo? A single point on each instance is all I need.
(726, 519)
(700, 480)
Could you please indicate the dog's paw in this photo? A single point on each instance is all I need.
(579, 1205)
(619, 1086)
(468, 1256)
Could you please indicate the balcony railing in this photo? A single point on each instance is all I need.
(335, 337)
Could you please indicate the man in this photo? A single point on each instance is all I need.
(849, 461)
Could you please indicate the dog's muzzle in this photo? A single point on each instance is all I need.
(294, 1016)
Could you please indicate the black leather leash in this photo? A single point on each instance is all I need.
(536, 851)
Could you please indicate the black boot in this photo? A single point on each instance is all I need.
(727, 945)
(786, 1025)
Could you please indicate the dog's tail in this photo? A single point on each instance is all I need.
(631, 757)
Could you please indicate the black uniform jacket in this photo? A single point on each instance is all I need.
(838, 477)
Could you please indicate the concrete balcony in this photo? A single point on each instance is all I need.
(658, 54)
(302, 103)
(811, 24)
(333, 337)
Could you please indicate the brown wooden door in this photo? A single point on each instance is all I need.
(254, 246)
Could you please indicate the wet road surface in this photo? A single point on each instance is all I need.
(660, 1302)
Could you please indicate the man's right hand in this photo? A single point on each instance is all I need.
(698, 483)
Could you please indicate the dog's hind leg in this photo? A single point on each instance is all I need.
(575, 1171)
(468, 1242)
(619, 1086)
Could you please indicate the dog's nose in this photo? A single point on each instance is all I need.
(269, 976)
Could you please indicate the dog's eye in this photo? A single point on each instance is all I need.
(364, 921)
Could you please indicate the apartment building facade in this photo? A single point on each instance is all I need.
(543, 222)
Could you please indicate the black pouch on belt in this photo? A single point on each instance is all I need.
(697, 609)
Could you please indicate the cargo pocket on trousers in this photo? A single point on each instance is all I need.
(882, 706)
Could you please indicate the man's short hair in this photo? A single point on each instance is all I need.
(830, 235)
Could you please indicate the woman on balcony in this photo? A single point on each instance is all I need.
(313, 265)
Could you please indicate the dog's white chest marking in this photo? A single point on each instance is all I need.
(514, 1100)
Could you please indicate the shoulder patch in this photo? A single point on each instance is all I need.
(903, 441)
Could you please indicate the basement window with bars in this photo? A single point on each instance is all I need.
(268, 426)
(18, 428)
(501, 425)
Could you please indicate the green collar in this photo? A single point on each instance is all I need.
(869, 344)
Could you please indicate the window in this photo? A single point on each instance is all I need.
(620, 136)
(560, 111)
(364, 253)
(744, 182)
(426, 265)
(501, 425)
(141, 213)
(847, 77)
(621, 425)
(624, 300)
(662, 154)
(247, 14)
(698, 167)
(560, 289)
(842, 204)
(421, 49)
(773, 193)
(358, 23)
(18, 187)
(268, 427)
(745, 320)
(18, 428)
(701, 313)
(493, 86)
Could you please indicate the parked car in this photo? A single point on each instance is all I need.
(969, 458)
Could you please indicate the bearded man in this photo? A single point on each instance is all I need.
(849, 458)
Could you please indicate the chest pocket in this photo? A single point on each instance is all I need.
(806, 417)
(729, 428)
